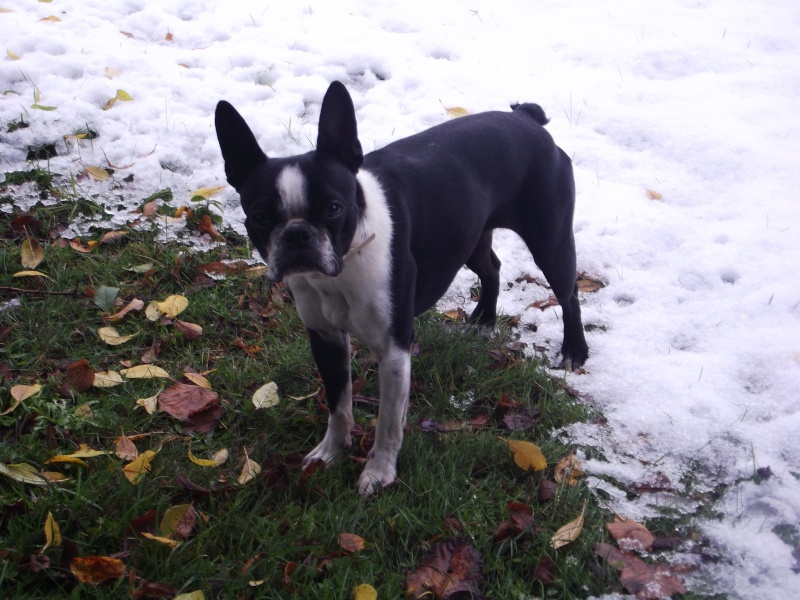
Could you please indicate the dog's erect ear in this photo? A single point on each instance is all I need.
(338, 135)
(238, 144)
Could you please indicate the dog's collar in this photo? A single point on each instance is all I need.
(355, 248)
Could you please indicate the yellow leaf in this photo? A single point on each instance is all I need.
(150, 404)
(209, 462)
(569, 532)
(30, 274)
(256, 271)
(112, 337)
(266, 396)
(528, 456)
(365, 592)
(249, 471)
(161, 540)
(98, 173)
(173, 305)
(51, 18)
(52, 532)
(110, 103)
(65, 458)
(206, 192)
(196, 595)
(107, 379)
(178, 521)
(31, 253)
(20, 393)
(124, 96)
(140, 465)
(111, 73)
(12, 55)
(144, 372)
(54, 476)
(22, 472)
(152, 312)
(84, 451)
(198, 379)
(456, 111)
(75, 244)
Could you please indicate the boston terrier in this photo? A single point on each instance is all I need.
(366, 243)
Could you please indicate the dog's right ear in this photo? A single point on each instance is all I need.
(240, 150)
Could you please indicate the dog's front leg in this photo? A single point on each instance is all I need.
(394, 379)
(331, 352)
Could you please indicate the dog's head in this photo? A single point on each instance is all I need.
(303, 211)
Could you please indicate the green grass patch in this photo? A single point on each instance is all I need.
(281, 529)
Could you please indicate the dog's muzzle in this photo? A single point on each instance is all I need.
(300, 248)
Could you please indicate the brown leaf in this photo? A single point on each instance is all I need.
(189, 330)
(589, 284)
(545, 570)
(26, 222)
(567, 470)
(221, 268)
(544, 304)
(80, 375)
(135, 304)
(178, 521)
(125, 448)
(182, 401)
(450, 567)
(205, 225)
(96, 569)
(517, 421)
(204, 420)
(631, 535)
(350, 542)
(650, 581)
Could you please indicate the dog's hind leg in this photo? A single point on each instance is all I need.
(485, 264)
(332, 353)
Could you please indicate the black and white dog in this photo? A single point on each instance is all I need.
(366, 243)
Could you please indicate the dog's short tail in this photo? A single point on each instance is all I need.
(534, 111)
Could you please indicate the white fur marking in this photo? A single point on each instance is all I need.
(292, 189)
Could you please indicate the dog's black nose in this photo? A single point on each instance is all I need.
(299, 233)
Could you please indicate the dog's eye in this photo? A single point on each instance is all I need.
(258, 220)
(334, 209)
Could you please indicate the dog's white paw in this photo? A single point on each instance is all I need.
(376, 475)
(328, 450)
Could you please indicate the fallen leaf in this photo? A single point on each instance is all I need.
(135, 470)
(450, 567)
(569, 532)
(173, 305)
(528, 456)
(96, 569)
(84, 451)
(195, 595)
(150, 404)
(121, 96)
(152, 311)
(109, 237)
(545, 570)
(161, 539)
(51, 18)
(653, 195)
(352, 543)
(568, 470)
(98, 173)
(218, 459)
(20, 393)
(266, 396)
(249, 471)
(178, 521)
(631, 536)
(190, 331)
(78, 246)
(112, 337)
(65, 458)
(205, 225)
(456, 111)
(144, 372)
(12, 55)
(135, 304)
(30, 274)
(107, 379)
(650, 581)
(31, 253)
(54, 476)
(206, 192)
(125, 448)
(104, 298)
(182, 400)
(365, 592)
(198, 379)
(80, 375)
(52, 532)
(111, 73)
(22, 472)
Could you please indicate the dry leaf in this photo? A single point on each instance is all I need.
(173, 305)
(125, 448)
(456, 111)
(568, 469)
(107, 379)
(161, 540)
(112, 337)
(65, 458)
(195, 595)
(189, 330)
(31, 253)
(365, 592)
(135, 469)
(98, 173)
(51, 18)
(150, 404)
(12, 55)
(451, 568)
(249, 471)
(80, 375)
(78, 246)
(54, 476)
(178, 521)
(198, 379)
(152, 312)
(20, 393)
(30, 274)
(266, 396)
(654, 195)
(182, 400)
(569, 532)
(630, 535)
(528, 456)
(219, 458)
(206, 192)
(22, 472)
(144, 372)
(352, 543)
(109, 237)
(96, 569)
(52, 532)
(84, 451)
(135, 304)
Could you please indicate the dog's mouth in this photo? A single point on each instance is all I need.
(301, 249)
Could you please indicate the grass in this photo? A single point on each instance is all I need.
(282, 528)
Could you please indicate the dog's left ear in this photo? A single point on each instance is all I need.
(338, 134)
(240, 150)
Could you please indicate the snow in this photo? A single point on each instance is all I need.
(695, 359)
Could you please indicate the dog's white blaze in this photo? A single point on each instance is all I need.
(292, 189)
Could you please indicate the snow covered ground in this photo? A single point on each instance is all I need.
(695, 341)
